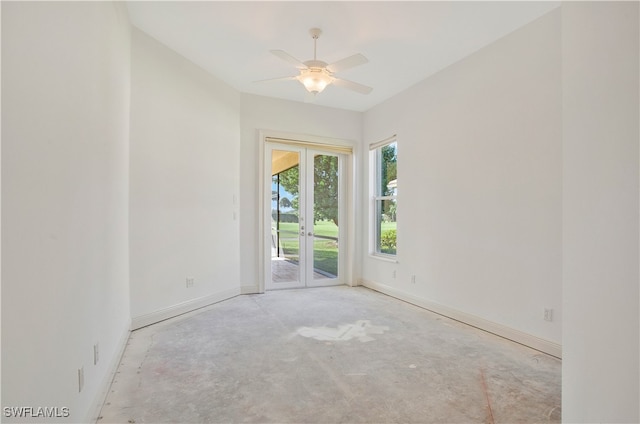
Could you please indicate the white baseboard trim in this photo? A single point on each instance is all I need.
(182, 308)
(249, 289)
(103, 390)
(546, 346)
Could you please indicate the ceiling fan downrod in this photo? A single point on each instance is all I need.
(315, 34)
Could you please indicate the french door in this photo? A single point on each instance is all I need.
(305, 235)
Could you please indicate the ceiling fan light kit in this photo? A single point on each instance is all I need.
(315, 79)
(315, 75)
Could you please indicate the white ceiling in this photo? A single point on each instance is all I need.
(405, 42)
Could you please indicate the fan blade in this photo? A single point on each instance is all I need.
(347, 63)
(288, 58)
(363, 89)
(277, 79)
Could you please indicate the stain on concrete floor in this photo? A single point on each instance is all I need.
(360, 330)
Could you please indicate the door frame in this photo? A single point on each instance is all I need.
(264, 187)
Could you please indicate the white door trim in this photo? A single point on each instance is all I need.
(264, 184)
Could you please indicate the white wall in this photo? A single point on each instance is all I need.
(479, 187)
(491, 151)
(65, 111)
(185, 149)
(600, 66)
(262, 113)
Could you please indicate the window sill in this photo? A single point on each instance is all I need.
(384, 258)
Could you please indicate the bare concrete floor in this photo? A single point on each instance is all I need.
(328, 355)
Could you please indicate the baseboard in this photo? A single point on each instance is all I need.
(105, 385)
(249, 289)
(534, 342)
(182, 308)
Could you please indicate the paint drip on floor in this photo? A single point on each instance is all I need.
(361, 330)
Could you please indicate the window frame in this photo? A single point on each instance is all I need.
(375, 162)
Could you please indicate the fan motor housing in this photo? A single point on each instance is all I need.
(315, 64)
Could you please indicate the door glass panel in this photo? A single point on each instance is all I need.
(285, 217)
(325, 217)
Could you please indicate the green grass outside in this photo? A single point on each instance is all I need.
(325, 252)
(328, 228)
(386, 226)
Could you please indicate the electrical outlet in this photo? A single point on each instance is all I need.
(190, 282)
(80, 379)
(96, 353)
(413, 279)
(548, 314)
(393, 274)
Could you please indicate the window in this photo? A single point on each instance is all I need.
(384, 158)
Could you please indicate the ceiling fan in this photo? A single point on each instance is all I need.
(316, 75)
